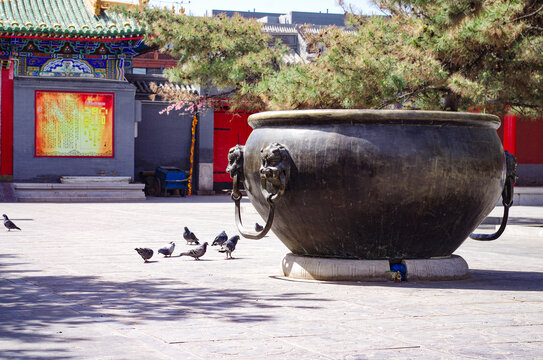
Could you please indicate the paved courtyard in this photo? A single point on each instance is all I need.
(72, 287)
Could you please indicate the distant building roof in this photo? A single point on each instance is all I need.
(246, 14)
(293, 58)
(292, 28)
(302, 17)
(291, 17)
(280, 29)
(65, 18)
(288, 29)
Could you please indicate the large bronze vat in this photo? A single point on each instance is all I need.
(371, 184)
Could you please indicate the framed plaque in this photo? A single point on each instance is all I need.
(74, 124)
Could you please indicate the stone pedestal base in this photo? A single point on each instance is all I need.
(329, 269)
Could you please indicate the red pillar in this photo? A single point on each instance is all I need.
(6, 133)
(510, 133)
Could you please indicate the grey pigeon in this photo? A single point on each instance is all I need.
(196, 253)
(9, 224)
(190, 237)
(220, 239)
(145, 253)
(167, 249)
(229, 246)
(258, 227)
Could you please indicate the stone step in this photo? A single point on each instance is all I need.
(89, 179)
(7, 193)
(528, 196)
(90, 191)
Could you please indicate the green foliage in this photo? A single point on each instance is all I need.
(481, 53)
(231, 54)
(491, 50)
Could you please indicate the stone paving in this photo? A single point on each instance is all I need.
(72, 287)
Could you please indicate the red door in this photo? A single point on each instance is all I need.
(230, 129)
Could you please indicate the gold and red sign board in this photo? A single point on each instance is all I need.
(74, 124)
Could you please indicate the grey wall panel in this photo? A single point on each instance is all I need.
(27, 167)
(206, 137)
(163, 139)
(530, 174)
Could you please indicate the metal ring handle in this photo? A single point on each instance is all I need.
(274, 173)
(497, 234)
(239, 223)
(507, 198)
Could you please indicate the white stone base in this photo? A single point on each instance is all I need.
(313, 268)
(437, 269)
(330, 269)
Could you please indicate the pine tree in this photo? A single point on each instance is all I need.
(490, 50)
(424, 54)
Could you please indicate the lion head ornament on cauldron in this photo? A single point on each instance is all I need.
(235, 162)
(274, 173)
(274, 169)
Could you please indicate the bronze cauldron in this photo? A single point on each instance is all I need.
(370, 184)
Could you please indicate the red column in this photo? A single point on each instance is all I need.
(6, 133)
(510, 133)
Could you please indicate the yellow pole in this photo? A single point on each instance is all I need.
(193, 131)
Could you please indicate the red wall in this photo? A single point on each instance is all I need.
(230, 129)
(6, 118)
(529, 140)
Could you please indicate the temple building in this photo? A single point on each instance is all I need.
(66, 106)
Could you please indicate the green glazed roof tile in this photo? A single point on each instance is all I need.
(70, 18)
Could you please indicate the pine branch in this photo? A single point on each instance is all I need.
(527, 15)
(524, 105)
(536, 28)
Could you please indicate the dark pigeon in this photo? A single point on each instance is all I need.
(9, 224)
(258, 227)
(196, 253)
(145, 253)
(190, 237)
(167, 249)
(229, 246)
(220, 239)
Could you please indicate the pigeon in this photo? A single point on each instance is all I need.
(190, 237)
(220, 239)
(229, 246)
(196, 253)
(167, 249)
(9, 224)
(258, 227)
(145, 253)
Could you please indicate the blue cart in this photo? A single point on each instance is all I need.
(168, 178)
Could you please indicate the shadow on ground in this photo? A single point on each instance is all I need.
(490, 280)
(35, 306)
(479, 280)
